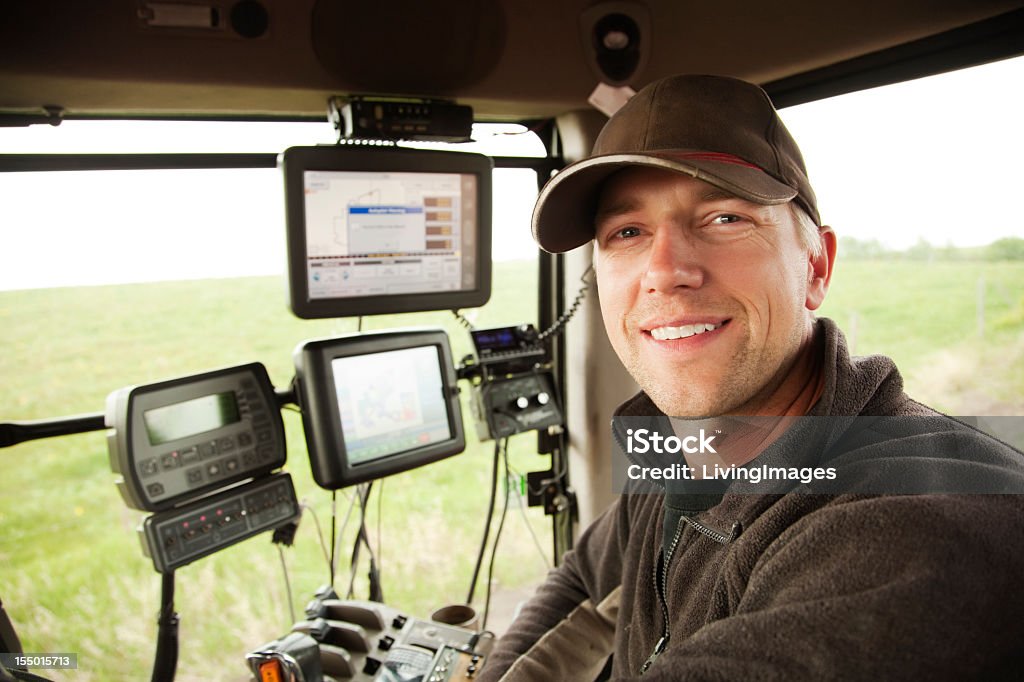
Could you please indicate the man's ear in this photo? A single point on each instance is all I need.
(819, 268)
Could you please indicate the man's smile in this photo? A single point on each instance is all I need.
(670, 332)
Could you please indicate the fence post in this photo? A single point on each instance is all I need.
(981, 306)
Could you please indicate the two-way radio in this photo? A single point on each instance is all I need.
(513, 392)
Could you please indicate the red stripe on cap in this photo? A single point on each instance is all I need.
(710, 156)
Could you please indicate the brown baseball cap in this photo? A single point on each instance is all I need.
(720, 130)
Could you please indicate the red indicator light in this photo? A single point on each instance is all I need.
(270, 671)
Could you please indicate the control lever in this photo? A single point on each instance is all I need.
(336, 609)
(336, 662)
(348, 636)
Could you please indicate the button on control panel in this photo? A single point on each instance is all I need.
(509, 405)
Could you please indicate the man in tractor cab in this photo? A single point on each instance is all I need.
(710, 259)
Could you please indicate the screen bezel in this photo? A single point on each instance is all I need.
(321, 418)
(295, 161)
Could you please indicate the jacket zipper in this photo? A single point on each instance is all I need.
(661, 587)
(717, 536)
(661, 581)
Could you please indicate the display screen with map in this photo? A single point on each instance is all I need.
(376, 404)
(390, 402)
(374, 231)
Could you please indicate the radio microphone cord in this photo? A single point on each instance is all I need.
(562, 320)
(497, 539)
(487, 523)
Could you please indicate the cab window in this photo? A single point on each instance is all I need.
(110, 278)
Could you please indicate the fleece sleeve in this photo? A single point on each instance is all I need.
(566, 630)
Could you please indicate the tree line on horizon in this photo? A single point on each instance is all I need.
(1005, 249)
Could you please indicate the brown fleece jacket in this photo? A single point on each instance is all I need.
(781, 587)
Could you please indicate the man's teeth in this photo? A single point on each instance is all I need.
(667, 333)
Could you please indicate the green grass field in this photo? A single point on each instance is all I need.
(925, 315)
(74, 579)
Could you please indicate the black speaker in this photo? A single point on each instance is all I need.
(617, 36)
(249, 18)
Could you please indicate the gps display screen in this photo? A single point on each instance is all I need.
(390, 402)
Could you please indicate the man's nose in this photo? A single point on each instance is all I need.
(673, 262)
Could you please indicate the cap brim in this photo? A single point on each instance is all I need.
(563, 217)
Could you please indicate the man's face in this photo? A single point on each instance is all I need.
(705, 296)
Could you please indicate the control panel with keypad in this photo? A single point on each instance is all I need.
(179, 536)
(174, 441)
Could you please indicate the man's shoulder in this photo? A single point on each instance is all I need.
(863, 542)
(923, 452)
(858, 385)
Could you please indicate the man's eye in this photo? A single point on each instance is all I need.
(626, 232)
(725, 219)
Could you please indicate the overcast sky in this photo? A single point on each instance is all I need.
(937, 158)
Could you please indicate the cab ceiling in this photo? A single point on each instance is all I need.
(509, 59)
